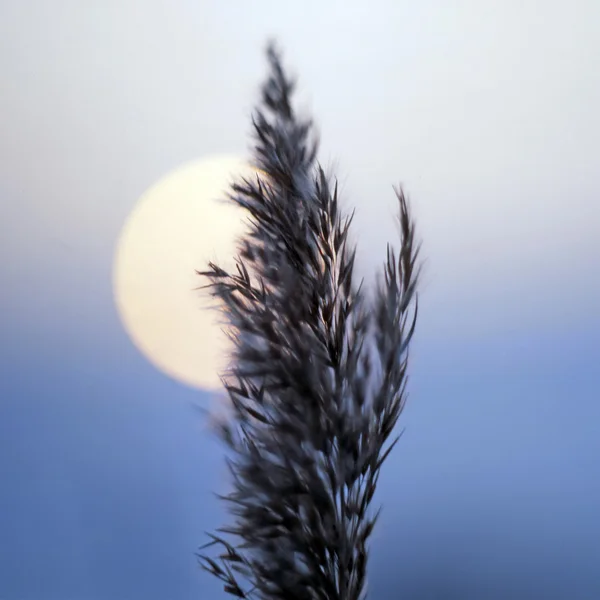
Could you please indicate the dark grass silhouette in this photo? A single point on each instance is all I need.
(317, 377)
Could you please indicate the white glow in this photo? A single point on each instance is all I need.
(177, 226)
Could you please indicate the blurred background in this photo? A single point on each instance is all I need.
(486, 112)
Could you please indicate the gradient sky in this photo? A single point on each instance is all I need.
(487, 112)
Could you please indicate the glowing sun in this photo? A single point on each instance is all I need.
(176, 227)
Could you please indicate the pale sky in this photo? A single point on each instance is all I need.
(487, 113)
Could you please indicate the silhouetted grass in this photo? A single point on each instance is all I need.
(318, 374)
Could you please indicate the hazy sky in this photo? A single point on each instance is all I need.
(487, 112)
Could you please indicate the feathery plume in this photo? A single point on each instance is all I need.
(317, 378)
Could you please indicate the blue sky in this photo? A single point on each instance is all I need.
(488, 116)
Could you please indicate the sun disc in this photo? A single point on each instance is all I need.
(178, 226)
